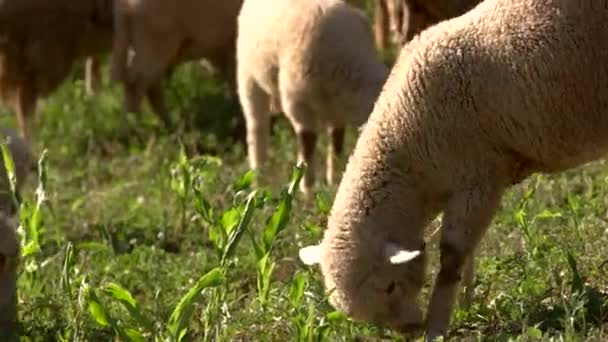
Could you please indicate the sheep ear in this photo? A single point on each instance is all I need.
(396, 254)
(310, 255)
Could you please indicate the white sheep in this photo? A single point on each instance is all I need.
(317, 60)
(474, 105)
(9, 245)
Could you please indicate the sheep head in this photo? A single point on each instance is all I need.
(378, 287)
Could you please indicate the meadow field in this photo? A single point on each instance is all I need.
(133, 233)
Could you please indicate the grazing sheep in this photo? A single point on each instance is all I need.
(39, 42)
(296, 52)
(9, 245)
(161, 34)
(474, 105)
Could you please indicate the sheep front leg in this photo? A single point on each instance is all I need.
(465, 221)
(307, 140)
(468, 280)
(256, 109)
(26, 108)
(335, 147)
(92, 75)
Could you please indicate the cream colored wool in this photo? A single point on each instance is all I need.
(316, 59)
(152, 36)
(474, 105)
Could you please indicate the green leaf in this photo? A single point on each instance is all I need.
(296, 292)
(534, 332)
(280, 217)
(134, 335)
(237, 233)
(335, 316)
(119, 293)
(124, 297)
(548, 214)
(229, 220)
(184, 309)
(577, 281)
(323, 203)
(67, 267)
(202, 206)
(245, 181)
(9, 165)
(96, 309)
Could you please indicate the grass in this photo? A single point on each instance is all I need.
(137, 235)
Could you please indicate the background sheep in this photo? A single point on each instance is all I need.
(164, 33)
(424, 13)
(296, 51)
(39, 42)
(9, 245)
(474, 105)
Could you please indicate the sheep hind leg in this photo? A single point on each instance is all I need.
(465, 221)
(156, 98)
(468, 282)
(26, 108)
(307, 141)
(335, 147)
(381, 24)
(301, 116)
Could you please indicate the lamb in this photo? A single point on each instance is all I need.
(473, 106)
(294, 52)
(39, 42)
(161, 34)
(9, 245)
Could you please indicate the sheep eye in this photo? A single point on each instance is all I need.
(390, 288)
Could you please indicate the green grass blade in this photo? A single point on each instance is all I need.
(96, 309)
(245, 181)
(184, 309)
(280, 217)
